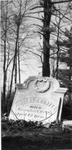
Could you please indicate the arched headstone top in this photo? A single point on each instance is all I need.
(41, 84)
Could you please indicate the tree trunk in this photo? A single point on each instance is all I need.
(5, 77)
(4, 65)
(15, 61)
(46, 38)
(57, 66)
(58, 48)
(15, 71)
(19, 64)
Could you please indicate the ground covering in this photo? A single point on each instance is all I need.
(22, 135)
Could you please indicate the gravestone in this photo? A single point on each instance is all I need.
(38, 99)
(67, 124)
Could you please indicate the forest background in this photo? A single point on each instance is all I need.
(36, 39)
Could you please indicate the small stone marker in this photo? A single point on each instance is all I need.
(67, 124)
(38, 99)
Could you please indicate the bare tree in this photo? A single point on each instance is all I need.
(4, 21)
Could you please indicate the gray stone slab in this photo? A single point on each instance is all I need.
(67, 123)
(38, 99)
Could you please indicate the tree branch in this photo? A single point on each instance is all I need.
(62, 1)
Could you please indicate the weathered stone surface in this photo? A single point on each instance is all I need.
(38, 99)
(67, 123)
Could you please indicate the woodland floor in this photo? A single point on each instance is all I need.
(24, 136)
